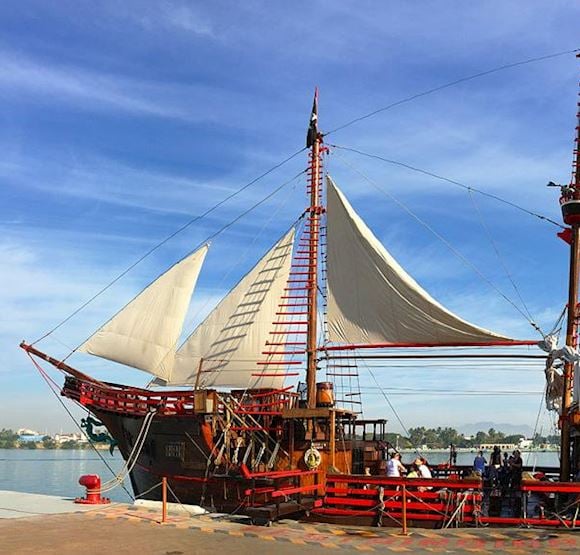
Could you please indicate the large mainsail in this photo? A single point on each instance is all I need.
(225, 348)
(372, 300)
(144, 334)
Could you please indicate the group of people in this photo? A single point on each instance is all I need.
(419, 468)
(506, 470)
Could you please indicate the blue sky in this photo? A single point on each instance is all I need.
(121, 121)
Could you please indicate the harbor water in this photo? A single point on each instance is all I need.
(57, 471)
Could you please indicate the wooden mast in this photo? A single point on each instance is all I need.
(315, 210)
(570, 203)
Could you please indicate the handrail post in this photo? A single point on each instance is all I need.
(164, 500)
(404, 531)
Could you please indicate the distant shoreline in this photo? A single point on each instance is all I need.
(41, 447)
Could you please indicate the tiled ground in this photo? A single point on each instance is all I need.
(363, 539)
(127, 529)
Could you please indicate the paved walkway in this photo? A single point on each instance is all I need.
(15, 504)
(125, 529)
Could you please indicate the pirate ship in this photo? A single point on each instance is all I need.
(220, 421)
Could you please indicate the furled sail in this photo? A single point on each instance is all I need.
(225, 348)
(144, 334)
(372, 300)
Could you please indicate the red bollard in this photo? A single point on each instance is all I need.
(93, 484)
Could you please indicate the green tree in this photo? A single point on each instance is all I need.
(29, 445)
(8, 439)
(70, 444)
(48, 442)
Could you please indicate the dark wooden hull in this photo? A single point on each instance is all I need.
(175, 448)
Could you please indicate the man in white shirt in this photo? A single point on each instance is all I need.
(394, 466)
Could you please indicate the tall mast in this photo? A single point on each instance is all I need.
(315, 211)
(570, 204)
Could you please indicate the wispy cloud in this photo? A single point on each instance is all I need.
(169, 15)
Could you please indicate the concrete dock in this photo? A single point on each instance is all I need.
(44, 524)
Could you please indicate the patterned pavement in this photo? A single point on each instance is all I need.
(357, 539)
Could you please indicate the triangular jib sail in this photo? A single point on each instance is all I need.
(372, 300)
(144, 334)
(225, 347)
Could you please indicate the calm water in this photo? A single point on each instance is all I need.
(464, 458)
(56, 472)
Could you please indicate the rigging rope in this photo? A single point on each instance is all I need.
(449, 180)
(174, 234)
(133, 456)
(212, 236)
(48, 381)
(452, 84)
(501, 260)
(443, 240)
(386, 397)
(225, 276)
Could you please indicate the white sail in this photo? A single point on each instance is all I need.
(372, 300)
(225, 348)
(144, 334)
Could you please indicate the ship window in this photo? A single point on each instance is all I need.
(175, 450)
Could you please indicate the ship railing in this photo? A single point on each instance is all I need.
(128, 400)
(441, 500)
(267, 403)
(378, 499)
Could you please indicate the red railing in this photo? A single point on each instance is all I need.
(129, 400)
(380, 499)
(439, 501)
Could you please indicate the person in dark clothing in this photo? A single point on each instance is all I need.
(495, 459)
(452, 455)
(516, 468)
(495, 466)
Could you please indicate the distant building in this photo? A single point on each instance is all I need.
(30, 438)
(63, 438)
(27, 432)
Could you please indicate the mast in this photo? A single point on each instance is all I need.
(315, 211)
(570, 204)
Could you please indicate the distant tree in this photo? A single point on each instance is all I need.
(70, 444)
(8, 439)
(539, 440)
(29, 445)
(480, 437)
(515, 438)
(48, 442)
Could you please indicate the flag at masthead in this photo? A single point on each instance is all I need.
(313, 125)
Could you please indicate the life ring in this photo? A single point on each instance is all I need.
(312, 458)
